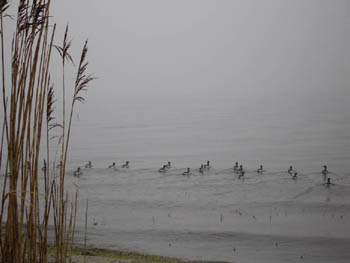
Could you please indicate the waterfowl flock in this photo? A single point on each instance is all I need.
(237, 169)
(114, 165)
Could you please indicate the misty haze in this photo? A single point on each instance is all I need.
(205, 84)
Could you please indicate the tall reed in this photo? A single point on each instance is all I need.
(28, 201)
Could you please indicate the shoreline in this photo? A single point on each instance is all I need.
(101, 255)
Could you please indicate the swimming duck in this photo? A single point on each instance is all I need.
(328, 182)
(290, 170)
(126, 165)
(78, 172)
(324, 171)
(168, 166)
(295, 175)
(241, 174)
(163, 169)
(187, 172)
(201, 169)
(260, 169)
(88, 165)
(236, 167)
(112, 165)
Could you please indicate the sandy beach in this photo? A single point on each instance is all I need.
(107, 256)
(90, 259)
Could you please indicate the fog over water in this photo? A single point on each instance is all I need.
(251, 81)
(258, 82)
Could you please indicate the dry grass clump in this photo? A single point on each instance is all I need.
(29, 202)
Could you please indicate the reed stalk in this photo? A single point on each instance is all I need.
(30, 199)
(85, 236)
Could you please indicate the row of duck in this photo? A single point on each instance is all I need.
(237, 168)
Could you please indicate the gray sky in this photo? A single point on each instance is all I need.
(145, 52)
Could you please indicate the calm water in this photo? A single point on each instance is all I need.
(217, 216)
(306, 134)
